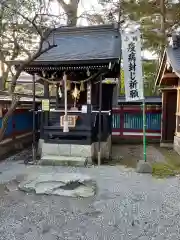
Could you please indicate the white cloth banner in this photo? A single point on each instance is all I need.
(132, 64)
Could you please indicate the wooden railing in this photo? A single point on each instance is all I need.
(126, 123)
(86, 129)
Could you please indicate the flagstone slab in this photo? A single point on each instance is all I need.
(67, 184)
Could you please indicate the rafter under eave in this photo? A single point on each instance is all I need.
(169, 76)
(161, 70)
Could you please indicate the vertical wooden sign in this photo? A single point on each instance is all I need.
(89, 93)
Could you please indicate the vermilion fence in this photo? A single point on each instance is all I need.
(128, 121)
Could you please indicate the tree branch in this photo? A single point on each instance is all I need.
(27, 62)
(24, 17)
(63, 5)
(18, 25)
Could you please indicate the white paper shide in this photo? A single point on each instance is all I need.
(132, 64)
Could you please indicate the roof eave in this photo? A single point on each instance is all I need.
(67, 62)
(102, 27)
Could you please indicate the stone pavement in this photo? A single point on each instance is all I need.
(64, 184)
(127, 206)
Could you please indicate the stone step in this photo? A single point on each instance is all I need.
(52, 160)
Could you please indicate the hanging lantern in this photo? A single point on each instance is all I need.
(68, 83)
(60, 92)
(82, 89)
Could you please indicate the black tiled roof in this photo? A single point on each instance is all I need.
(100, 42)
(173, 53)
(173, 56)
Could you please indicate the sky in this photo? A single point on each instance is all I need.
(85, 5)
(90, 6)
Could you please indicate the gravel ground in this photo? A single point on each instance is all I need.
(127, 206)
(129, 154)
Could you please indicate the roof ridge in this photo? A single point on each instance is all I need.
(175, 41)
(87, 28)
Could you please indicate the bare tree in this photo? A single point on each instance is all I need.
(25, 29)
(92, 15)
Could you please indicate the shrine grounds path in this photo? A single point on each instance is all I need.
(127, 206)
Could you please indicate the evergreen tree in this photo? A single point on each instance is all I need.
(157, 18)
(149, 74)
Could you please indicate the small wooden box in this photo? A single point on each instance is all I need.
(71, 121)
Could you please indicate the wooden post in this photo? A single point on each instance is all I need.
(34, 121)
(121, 120)
(65, 125)
(177, 110)
(1, 110)
(41, 124)
(99, 128)
(57, 95)
(163, 117)
(46, 114)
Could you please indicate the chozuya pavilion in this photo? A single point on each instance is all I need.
(76, 123)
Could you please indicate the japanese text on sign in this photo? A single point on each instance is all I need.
(132, 66)
(45, 105)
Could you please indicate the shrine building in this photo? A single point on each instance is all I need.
(83, 71)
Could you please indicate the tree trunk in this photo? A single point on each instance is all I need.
(14, 102)
(163, 27)
(72, 18)
(3, 77)
(71, 10)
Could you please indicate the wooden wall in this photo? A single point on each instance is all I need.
(168, 123)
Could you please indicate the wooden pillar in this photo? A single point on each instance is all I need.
(46, 96)
(1, 110)
(100, 121)
(177, 110)
(57, 95)
(65, 127)
(163, 117)
(34, 120)
(121, 120)
(40, 124)
(46, 90)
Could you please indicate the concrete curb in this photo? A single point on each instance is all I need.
(143, 167)
(9, 146)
